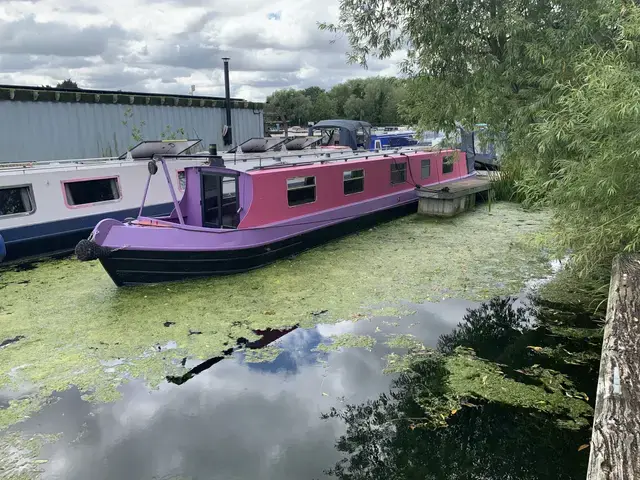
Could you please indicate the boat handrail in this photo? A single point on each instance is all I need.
(36, 163)
(79, 163)
(365, 154)
(339, 154)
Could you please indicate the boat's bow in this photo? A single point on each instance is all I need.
(91, 248)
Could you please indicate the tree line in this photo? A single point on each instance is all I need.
(374, 100)
(557, 82)
(67, 84)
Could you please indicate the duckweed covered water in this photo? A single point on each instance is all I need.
(79, 329)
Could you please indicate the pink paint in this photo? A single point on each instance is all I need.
(270, 203)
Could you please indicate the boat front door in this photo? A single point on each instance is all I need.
(219, 200)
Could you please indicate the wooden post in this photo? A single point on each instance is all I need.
(615, 441)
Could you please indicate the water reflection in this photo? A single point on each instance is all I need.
(267, 336)
(234, 420)
(230, 419)
(394, 436)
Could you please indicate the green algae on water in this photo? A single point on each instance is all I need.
(347, 340)
(19, 455)
(75, 321)
(470, 379)
(262, 355)
(405, 340)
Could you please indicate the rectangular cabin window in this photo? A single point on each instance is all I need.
(301, 190)
(85, 192)
(447, 164)
(16, 200)
(182, 180)
(353, 181)
(425, 169)
(398, 172)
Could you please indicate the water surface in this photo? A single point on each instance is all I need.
(101, 382)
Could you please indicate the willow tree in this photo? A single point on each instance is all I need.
(474, 60)
(586, 150)
(556, 78)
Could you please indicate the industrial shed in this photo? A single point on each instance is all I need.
(40, 123)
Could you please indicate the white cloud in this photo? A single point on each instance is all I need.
(169, 45)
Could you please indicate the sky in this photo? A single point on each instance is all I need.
(165, 46)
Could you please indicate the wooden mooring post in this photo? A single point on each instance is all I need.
(450, 198)
(615, 441)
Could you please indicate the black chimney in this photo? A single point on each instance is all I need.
(228, 139)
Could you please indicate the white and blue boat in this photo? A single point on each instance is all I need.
(47, 207)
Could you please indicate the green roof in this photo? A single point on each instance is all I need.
(45, 94)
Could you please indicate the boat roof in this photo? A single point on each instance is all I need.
(399, 133)
(149, 148)
(340, 123)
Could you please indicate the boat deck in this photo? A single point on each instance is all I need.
(456, 188)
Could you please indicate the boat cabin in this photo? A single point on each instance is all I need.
(392, 140)
(223, 198)
(351, 133)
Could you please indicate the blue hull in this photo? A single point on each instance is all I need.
(3, 249)
(61, 237)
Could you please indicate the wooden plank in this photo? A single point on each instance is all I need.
(456, 188)
(615, 441)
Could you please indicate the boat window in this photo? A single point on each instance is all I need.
(398, 172)
(301, 190)
(85, 192)
(360, 137)
(219, 201)
(182, 180)
(447, 164)
(16, 200)
(378, 145)
(425, 168)
(353, 181)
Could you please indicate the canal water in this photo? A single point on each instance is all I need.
(395, 353)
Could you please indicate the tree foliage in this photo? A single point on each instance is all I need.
(412, 433)
(68, 84)
(288, 106)
(557, 80)
(375, 100)
(587, 151)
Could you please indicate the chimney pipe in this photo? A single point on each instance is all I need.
(228, 139)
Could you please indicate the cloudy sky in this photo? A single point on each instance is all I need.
(169, 45)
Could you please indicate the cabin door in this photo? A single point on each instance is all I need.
(219, 200)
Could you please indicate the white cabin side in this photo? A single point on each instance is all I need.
(50, 188)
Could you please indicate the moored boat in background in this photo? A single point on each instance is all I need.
(231, 221)
(47, 207)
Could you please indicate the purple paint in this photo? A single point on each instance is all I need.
(331, 208)
(144, 197)
(171, 190)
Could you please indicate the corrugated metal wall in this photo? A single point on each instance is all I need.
(31, 131)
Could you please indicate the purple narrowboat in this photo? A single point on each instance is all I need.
(230, 221)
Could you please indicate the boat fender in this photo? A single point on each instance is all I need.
(86, 250)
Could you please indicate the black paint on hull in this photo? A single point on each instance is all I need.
(132, 267)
